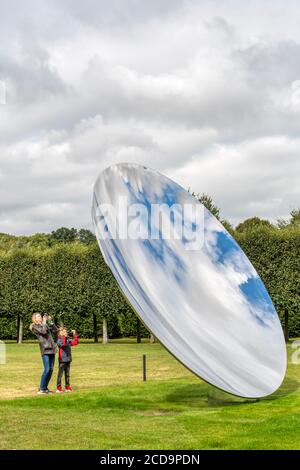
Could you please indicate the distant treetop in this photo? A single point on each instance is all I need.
(84, 236)
(208, 202)
(47, 240)
(68, 235)
(293, 222)
(252, 223)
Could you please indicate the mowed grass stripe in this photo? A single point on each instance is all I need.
(112, 408)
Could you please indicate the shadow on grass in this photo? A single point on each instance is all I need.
(288, 386)
(195, 395)
(157, 399)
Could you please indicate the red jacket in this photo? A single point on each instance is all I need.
(64, 344)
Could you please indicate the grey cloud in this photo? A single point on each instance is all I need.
(189, 89)
(118, 14)
(193, 100)
(276, 64)
(260, 177)
(32, 78)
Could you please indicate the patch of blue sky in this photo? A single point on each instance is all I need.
(225, 246)
(140, 197)
(254, 291)
(170, 194)
(161, 253)
(136, 196)
(178, 217)
(257, 296)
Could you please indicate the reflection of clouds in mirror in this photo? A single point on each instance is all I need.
(229, 258)
(208, 307)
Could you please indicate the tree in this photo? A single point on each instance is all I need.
(85, 236)
(64, 235)
(138, 330)
(20, 329)
(39, 240)
(227, 225)
(17, 290)
(7, 241)
(104, 331)
(295, 218)
(95, 325)
(69, 235)
(208, 202)
(293, 222)
(152, 338)
(252, 223)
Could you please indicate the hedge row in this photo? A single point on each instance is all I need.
(276, 256)
(73, 283)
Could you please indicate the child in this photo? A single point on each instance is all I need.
(65, 357)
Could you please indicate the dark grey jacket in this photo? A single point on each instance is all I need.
(45, 335)
(64, 344)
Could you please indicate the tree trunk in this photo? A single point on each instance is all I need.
(286, 325)
(104, 331)
(138, 330)
(95, 328)
(152, 338)
(20, 329)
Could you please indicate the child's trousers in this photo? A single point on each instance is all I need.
(64, 367)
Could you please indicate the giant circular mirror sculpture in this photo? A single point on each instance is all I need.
(188, 280)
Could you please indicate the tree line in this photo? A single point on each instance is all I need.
(64, 274)
(71, 282)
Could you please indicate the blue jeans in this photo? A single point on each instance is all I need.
(48, 361)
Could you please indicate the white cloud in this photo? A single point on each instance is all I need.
(257, 177)
(206, 93)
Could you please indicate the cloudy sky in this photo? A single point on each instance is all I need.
(206, 92)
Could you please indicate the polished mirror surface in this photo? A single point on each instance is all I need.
(188, 280)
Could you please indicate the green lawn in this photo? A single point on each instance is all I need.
(111, 408)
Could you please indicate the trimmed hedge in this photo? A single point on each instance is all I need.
(73, 283)
(275, 254)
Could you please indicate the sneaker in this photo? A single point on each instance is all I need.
(49, 391)
(42, 392)
(69, 389)
(59, 389)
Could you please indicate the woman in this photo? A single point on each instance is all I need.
(45, 329)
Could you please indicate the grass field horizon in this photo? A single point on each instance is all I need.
(112, 408)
